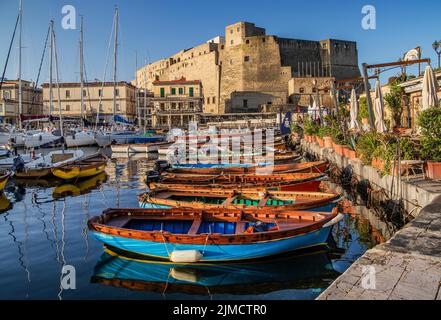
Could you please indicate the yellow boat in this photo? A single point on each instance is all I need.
(81, 169)
(77, 189)
(3, 180)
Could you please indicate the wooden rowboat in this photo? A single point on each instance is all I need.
(304, 167)
(188, 235)
(283, 181)
(41, 167)
(83, 168)
(3, 180)
(245, 199)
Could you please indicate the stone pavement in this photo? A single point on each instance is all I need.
(407, 267)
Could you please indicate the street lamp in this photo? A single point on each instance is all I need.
(437, 47)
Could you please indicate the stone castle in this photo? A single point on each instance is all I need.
(247, 68)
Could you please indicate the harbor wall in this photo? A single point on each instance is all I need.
(408, 266)
(415, 193)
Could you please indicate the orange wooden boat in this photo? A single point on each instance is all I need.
(188, 235)
(231, 199)
(282, 181)
(303, 167)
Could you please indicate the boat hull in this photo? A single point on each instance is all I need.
(219, 253)
(80, 139)
(76, 172)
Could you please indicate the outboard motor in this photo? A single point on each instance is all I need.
(18, 164)
(161, 165)
(152, 176)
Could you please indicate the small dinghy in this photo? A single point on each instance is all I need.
(188, 235)
(42, 167)
(138, 148)
(82, 168)
(281, 181)
(246, 199)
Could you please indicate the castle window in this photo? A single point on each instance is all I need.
(232, 42)
(248, 41)
(67, 94)
(263, 40)
(231, 31)
(238, 29)
(231, 61)
(214, 99)
(67, 107)
(247, 58)
(302, 90)
(314, 90)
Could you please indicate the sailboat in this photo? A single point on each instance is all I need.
(122, 136)
(80, 138)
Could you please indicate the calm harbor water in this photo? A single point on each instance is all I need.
(43, 226)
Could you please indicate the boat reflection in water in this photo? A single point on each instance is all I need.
(309, 271)
(80, 187)
(5, 204)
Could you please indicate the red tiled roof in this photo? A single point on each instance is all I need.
(179, 81)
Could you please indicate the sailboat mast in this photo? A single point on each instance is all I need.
(58, 82)
(82, 75)
(20, 85)
(51, 93)
(115, 53)
(145, 96)
(137, 92)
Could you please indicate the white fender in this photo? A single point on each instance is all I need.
(336, 220)
(186, 256)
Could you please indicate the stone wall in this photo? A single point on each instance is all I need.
(247, 60)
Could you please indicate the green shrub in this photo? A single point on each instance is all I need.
(430, 124)
(367, 146)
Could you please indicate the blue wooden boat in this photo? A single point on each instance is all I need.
(132, 272)
(186, 235)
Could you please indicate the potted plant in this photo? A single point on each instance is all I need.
(393, 101)
(310, 128)
(430, 124)
(363, 112)
(367, 144)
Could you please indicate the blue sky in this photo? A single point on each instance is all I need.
(157, 29)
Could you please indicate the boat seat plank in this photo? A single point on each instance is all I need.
(195, 226)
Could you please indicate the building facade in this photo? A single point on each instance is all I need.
(32, 100)
(176, 103)
(97, 98)
(246, 68)
(413, 90)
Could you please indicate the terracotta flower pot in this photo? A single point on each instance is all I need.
(338, 149)
(320, 142)
(306, 138)
(350, 154)
(378, 164)
(327, 142)
(433, 170)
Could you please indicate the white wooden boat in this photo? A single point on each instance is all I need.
(103, 139)
(139, 148)
(42, 166)
(8, 135)
(7, 164)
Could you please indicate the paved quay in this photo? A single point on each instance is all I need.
(407, 267)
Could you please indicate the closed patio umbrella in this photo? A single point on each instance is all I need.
(430, 88)
(379, 109)
(353, 125)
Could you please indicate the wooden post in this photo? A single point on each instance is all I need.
(368, 96)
